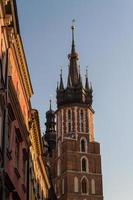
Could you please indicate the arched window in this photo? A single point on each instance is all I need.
(76, 186)
(81, 117)
(83, 145)
(84, 185)
(84, 164)
(69, 121)
(93, 187)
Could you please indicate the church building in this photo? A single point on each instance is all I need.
(73, 154)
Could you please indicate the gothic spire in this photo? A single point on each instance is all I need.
(61, 82)
(86, 81)
(73, 75)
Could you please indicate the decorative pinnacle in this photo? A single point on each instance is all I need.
(86, 72)
(61, 72)
(86, 83)
(50, 107)
(61, 80)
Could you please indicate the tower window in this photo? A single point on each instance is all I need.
(83, 145)
(69, 121)
(84, 164)
(81, 117)
(84, 186)
(69, 115)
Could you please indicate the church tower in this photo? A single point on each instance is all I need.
(76, 161)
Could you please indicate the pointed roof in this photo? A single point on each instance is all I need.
(61, 82)
(74, 92)
(73, 74)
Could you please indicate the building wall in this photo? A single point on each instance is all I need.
(40, 181)
(74, 124)
(21, 155)
(15, 143)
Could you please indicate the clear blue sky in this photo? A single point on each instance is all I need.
(104, 41)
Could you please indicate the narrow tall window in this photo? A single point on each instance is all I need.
(69, 121)
(76, 186)
(81, 121)
(83, 145)
(84, 164)
(69, 115)
(84, 186)
(93, 187)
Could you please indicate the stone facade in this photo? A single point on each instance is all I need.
(39, 184)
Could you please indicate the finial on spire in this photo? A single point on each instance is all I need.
(73, 43)
(61, 72)
(50, 106)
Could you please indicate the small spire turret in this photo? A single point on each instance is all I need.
(61, 82)
(86, 81)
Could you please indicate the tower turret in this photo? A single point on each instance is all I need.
(50, 135)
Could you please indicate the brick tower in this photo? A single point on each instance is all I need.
(75, 161)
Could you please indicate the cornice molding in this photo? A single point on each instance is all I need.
(23, 65)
